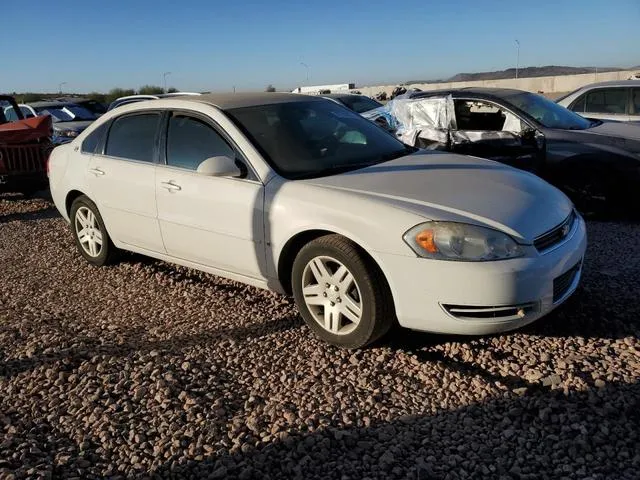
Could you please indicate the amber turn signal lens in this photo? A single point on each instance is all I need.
(426, 241)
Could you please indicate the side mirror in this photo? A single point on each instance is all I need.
(221, 166)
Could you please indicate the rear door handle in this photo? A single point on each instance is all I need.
(96, 171)
(171, 186)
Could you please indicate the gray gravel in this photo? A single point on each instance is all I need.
(144, 369)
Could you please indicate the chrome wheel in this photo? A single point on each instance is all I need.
(332, 295)
(88, 231)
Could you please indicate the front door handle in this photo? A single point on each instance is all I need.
(97, 172)
(171, 186)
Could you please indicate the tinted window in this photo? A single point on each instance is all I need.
(191, 141)
(547, 112)
(636, 100)
(578, 106)
(607, 100)
(359, 103)
(315, 138)
(133, 137)
(94, 139)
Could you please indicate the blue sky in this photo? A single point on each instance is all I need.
(214, 45)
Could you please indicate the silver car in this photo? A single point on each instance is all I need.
(616, 100)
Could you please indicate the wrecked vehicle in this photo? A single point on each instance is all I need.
(25, 145)
(596, 163)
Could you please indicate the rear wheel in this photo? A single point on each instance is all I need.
(91, 237)
(341, 293)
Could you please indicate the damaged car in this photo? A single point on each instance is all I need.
(597, 163)
(25, 144)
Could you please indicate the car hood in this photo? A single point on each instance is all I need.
(78, 125)
(628, 130)
(443, 186)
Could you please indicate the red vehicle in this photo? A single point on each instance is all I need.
(25, 145)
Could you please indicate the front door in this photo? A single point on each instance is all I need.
(487, 130)
(121, 181)
(213, 221)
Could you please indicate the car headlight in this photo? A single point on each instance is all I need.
(66, 133)
(462, 242)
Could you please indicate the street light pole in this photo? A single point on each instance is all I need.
(164, 78)
(307, 67)
(60, 86)
(517, 58)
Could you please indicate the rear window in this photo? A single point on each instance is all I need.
(94, 139)
(607, 100)
(133, 137)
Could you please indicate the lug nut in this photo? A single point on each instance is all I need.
(338, 300)
(327, 285)
(332, 304)
(336, 288)
(324, 294)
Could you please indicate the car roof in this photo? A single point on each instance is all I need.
(226, 101)
(341, 95)
(48, 104)
(613, 83)
(460, 92)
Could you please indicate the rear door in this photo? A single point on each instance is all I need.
(121, 180)
(485, 129)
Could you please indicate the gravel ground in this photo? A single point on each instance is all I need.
(144, 369)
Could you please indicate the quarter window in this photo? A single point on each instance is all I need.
(133, 137)
(94, 139)
(191, 141)
(578, 106)
(476, 115)
(607, 100)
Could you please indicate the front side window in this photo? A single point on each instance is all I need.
(191, 141)
(133, 137)
(578, 106)
(312, 138)
(607, 100)
(10, 114)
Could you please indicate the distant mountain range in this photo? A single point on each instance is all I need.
(526, 72)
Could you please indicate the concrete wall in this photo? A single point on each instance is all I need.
(549, 85)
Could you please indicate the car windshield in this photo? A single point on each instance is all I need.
(310, 138)
(359, 103)
(548, 113)
(66, 113)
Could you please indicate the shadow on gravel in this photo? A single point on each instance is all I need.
(543, 434)
(135, 344)
(42, 214)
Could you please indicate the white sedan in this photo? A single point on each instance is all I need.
(303, 196)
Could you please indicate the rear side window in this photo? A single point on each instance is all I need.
(133, 137)
(636, 101)
(607, 100)
(92, 143)
(190, 141)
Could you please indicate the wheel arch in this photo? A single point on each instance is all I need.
(293, 246)
(69, 199)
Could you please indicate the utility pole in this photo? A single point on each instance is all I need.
(60, 86)
(164, 78)
(517, 57)
(307, 67)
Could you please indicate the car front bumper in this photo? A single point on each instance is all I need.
(478, 298)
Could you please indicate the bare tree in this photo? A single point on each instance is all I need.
(270, 88)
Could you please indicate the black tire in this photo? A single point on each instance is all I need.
(108, 252)
(378, 312)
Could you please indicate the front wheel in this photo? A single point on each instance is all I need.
(91, 237)
(341, 293)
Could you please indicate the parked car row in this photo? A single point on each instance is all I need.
(596, 162)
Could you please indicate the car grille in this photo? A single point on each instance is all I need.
(23, 158)
(556, 235)
(562, 283)
(502, 312)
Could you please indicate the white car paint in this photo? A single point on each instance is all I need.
(238, 228)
